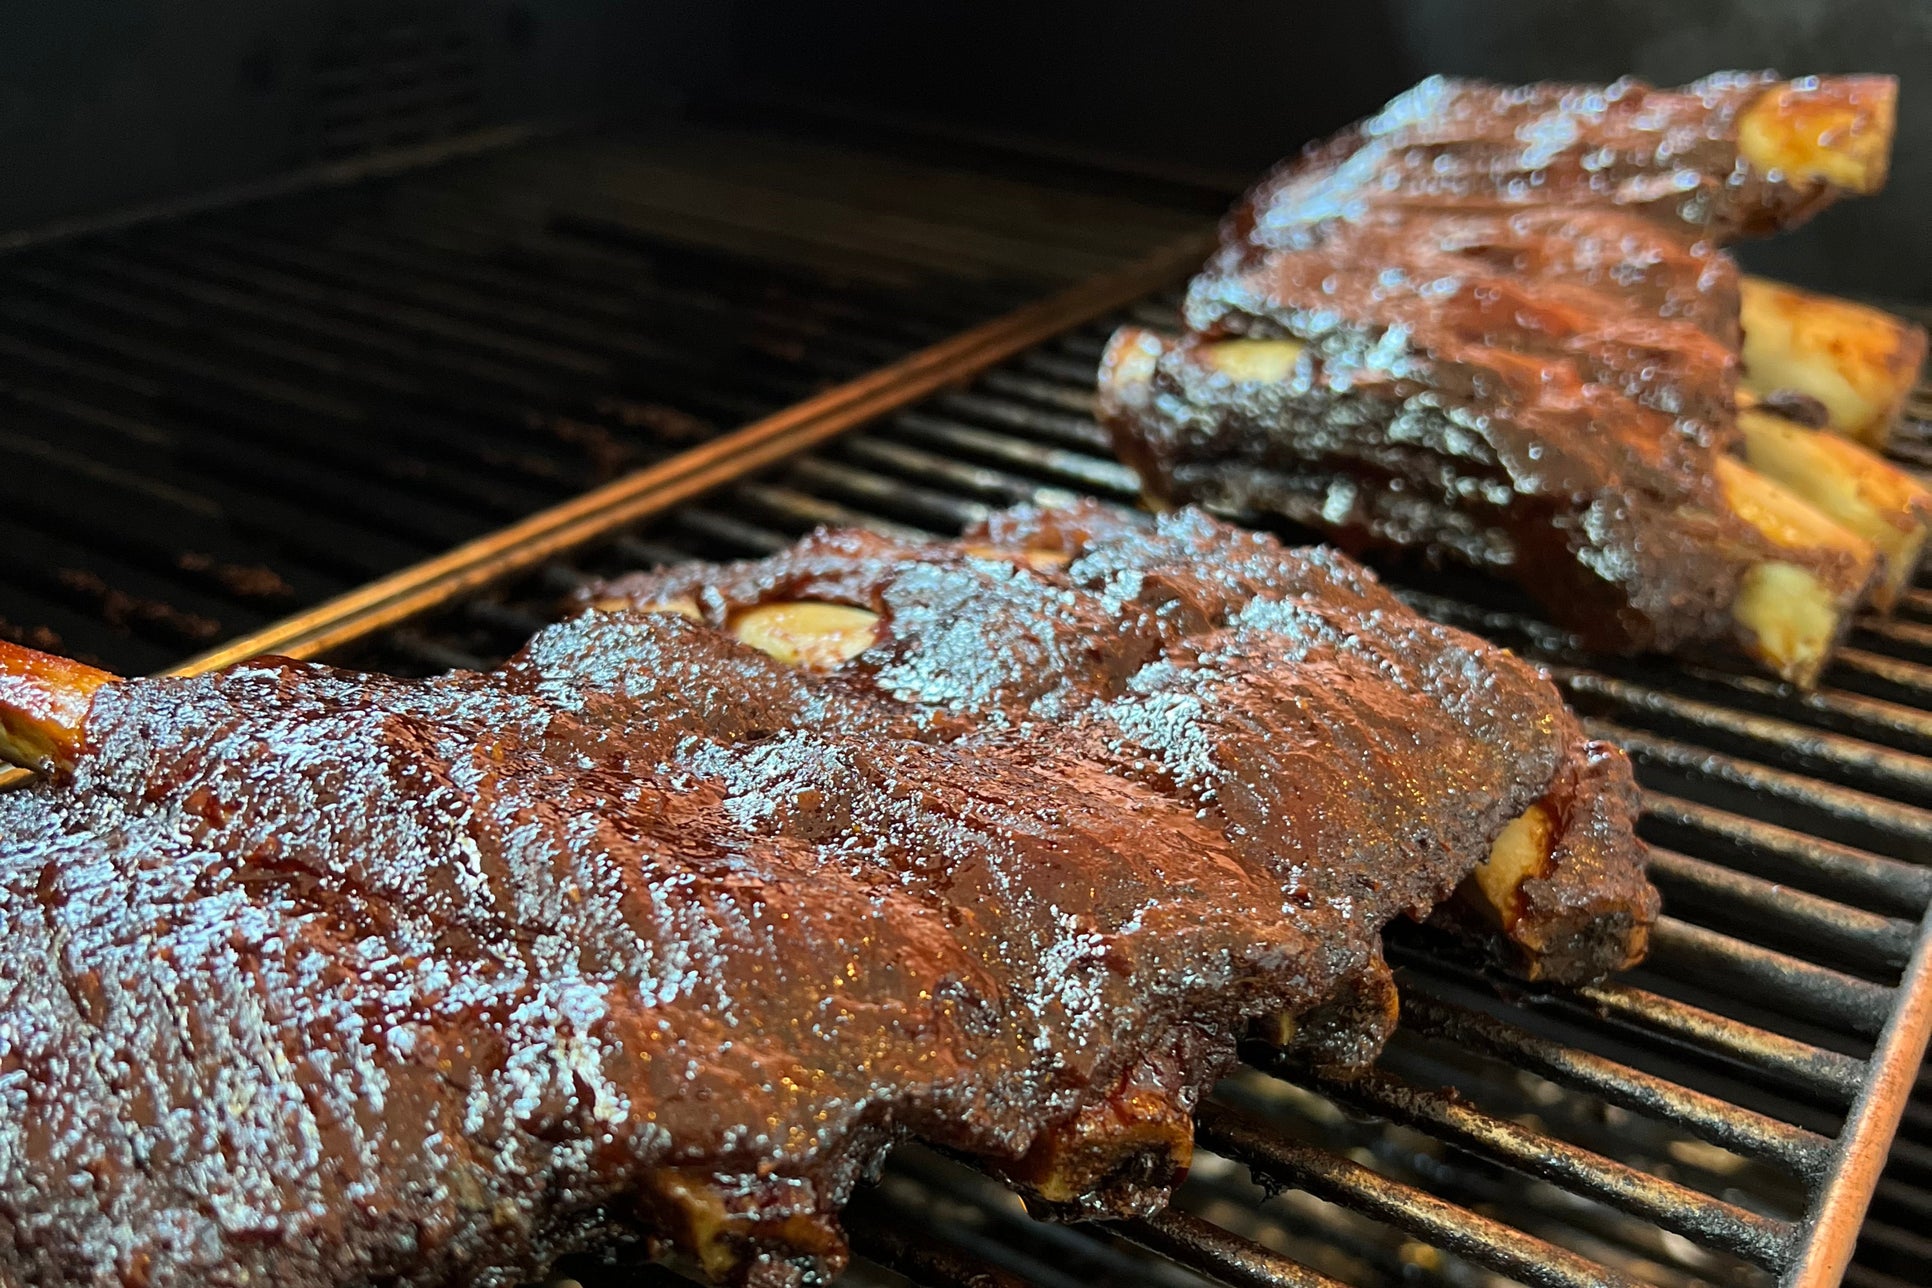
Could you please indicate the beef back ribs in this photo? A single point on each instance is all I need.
(1494, 325)
(318, 978)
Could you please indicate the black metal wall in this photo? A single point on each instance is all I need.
(111, 103)
(1233, 86)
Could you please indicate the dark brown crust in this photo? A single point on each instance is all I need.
(1344, 1034)
(1514, 311)
(318, 979)
(946, 652)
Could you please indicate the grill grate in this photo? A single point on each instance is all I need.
(231, 416)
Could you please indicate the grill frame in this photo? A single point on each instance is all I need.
(1816, 1251)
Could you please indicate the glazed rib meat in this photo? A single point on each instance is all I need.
(319, 978)
(1494, 326)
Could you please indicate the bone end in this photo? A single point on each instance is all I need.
(1112, 1159)
(1833, 130)
(1853, 486)
(44, 701)
(1520, 853)
(1789, 613)
(1860, 362)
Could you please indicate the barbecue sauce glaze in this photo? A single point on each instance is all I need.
(1520, 338)
(320, 978)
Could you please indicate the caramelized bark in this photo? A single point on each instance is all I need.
(651, 932)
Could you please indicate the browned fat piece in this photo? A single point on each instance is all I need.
(1491, 325)
(672, 925)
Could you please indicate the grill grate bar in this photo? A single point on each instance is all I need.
(1888, 825)
(983, 483)
(1871, 941)
(1770, 978)
(907, 1248)
(1858, 1276)
(1804, 1153)
(1750, 1049)
(1872, 1125)
(636, 304)
(1881, 674)
(545, 347)
(1792, 744)
(428, 368)
(984, 1219)
(1278, 1163)
(1781, 854)
(887, 493)
(310, 336)
(764, 498)
(1892, 723)
(339, 475)
(1227, 1258)
(1690, 1033)
(1766, 1241)
(1911, 638)
(1065, 465)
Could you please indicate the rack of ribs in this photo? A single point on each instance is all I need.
(1495, 326)
(666, 929)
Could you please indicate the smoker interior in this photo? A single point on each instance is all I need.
(231, 415)
(228, 416)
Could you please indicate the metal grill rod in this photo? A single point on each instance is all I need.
(1892, 825)
(1847, 1193)
(1782, 854)
(1874, 942)
(1505, 1249)
(1229, 1258)
(1804, 1153)
(523, 546)
(1710, 1220)
(1771, 978)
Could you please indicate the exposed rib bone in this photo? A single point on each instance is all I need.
(1860, 363)
(1789, 614)
(1855, 487)
(43, 707)
(1831, 131)
(807, 633)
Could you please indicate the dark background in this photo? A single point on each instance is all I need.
(107, 103)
